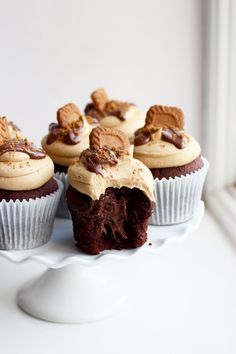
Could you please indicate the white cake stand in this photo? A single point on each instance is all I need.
(74, 289)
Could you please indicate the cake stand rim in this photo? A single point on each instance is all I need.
(38, 254)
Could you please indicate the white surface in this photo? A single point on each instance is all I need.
(184, 301)
(76, 290)
(146, 51)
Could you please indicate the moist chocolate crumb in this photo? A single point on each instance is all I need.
(117, 220)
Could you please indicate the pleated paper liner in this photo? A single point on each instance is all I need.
(177, 198)
(28, 224)
(62, 210)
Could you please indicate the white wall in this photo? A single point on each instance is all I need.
(52, 52)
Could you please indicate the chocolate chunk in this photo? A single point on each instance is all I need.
(141, 139)
(73, 137)
(94, 160)
(91, 111)
(175, 137)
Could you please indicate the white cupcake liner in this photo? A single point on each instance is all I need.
(62, 210)
(28, 224)
(177, 198)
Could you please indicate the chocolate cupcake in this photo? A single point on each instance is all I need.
(110, 195)
(29, 195)
(64, 143)
(174, 158)
(114, 114)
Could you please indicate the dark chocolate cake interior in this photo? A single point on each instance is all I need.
(118, 220)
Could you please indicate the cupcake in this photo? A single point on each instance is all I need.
(65, 141)
(110, 195)
(28, 194)
(114, 114)
(175, 161)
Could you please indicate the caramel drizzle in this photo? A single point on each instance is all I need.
(69, 136)
(22, 146)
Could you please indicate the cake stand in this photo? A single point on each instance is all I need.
(74, 289)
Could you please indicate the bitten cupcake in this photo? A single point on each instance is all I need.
(29, 195)
(115, 114)
(174, 158)
(110, 195)
(65, 141)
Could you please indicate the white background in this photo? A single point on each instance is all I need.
(53, 52)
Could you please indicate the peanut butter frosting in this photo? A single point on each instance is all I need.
(18, 172)
(134, 119)
(108, 163)
(22, 165)
(67, 139)
(114, 114)
(128, 172)
(163, 142)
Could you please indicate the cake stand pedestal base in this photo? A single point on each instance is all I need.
(71, 294)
